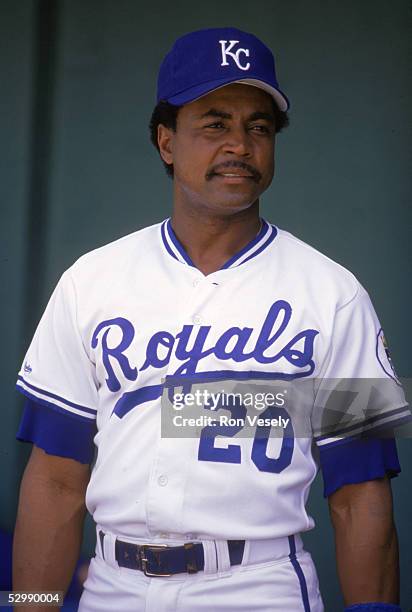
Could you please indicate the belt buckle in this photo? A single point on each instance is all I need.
(144, 561)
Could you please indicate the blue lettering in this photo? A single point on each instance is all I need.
(196, 353)
(115, 352)
(298, 358)
(161, 338)
(264, 340)
(292, 355)
(236, 353)
(190, 347)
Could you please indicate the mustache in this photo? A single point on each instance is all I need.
(255, 174)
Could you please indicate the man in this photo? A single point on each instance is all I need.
(213, 294)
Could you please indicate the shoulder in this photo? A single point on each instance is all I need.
(121, 255)
(316, 271)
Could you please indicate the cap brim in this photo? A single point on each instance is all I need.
(194, 93)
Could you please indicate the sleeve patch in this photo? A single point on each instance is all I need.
(384, 357)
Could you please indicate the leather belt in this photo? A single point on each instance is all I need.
(164, 560)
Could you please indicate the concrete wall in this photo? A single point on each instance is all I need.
(78, 86)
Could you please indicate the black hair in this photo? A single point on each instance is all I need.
(166, 114)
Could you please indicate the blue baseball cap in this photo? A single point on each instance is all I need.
(202, 61)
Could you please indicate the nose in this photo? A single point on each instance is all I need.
(237, 142)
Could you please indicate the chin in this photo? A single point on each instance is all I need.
(235, 197)
(231, 205)
(238, 201)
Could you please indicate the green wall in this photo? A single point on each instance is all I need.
(78, 86)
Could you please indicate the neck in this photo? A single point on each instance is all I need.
(211, 239)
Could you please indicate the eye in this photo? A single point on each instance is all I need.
(215, 125)
(260, 128)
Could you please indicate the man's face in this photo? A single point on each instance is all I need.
(223, 149)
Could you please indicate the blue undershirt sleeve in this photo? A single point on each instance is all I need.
(356, 461)
(58, 432)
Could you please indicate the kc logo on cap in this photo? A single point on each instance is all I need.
(227, 51)
(200, 62)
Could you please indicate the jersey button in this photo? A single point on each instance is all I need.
(196, 282)
(197, 320)
(162, 480)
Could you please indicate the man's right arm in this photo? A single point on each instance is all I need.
(49, 523)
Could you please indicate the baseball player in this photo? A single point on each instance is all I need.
(215, 294)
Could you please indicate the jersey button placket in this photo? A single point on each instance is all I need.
(175, 455)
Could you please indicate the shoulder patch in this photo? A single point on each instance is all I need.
(384, 357)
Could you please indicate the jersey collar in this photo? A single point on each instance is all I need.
(258, 244)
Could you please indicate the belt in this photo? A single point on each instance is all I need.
(164, 560)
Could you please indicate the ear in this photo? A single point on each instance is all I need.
(165, 141)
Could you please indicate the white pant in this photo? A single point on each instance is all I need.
(269, 579)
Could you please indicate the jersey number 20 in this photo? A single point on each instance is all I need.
(232, 454)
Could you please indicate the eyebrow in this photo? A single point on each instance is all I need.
(214, 112)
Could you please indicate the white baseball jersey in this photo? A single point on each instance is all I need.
(126, 316)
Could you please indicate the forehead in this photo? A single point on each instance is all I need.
(233, 98)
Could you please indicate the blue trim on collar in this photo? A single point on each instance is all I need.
(268, 239)
(248, 247)
(174, 247)
(169, 233)
(165, 243)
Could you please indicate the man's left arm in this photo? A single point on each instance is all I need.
(366, 542)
